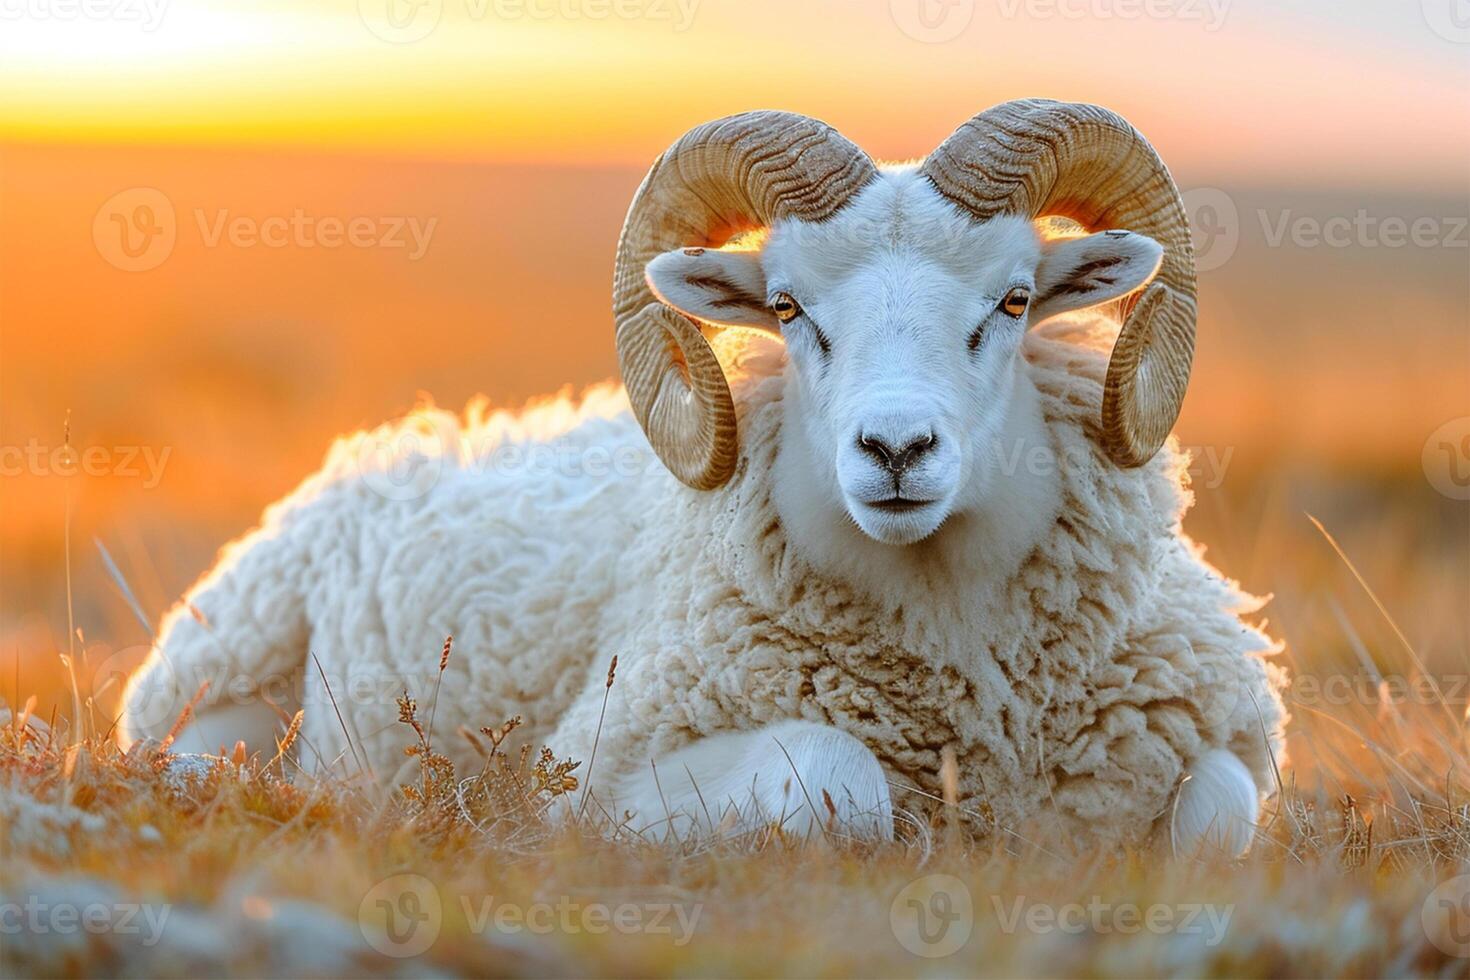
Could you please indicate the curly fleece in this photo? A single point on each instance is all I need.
(1074, 696)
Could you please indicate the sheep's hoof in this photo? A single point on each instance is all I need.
(1217, 809)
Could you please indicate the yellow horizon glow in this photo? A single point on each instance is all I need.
(1242, 100)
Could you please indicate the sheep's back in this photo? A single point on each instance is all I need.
(507, 531)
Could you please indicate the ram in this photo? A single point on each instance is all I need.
(913, 507)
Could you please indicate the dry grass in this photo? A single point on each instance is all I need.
(260, 868)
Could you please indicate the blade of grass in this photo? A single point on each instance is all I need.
(1409, 647)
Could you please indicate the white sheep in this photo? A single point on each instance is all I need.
(885, 521)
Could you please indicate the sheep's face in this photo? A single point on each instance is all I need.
(903, 321)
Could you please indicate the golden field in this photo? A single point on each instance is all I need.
(208, 386)
(226, 374)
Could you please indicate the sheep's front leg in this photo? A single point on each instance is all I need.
(1217, 809)
(809, 778)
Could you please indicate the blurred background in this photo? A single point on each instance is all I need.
(230, 232)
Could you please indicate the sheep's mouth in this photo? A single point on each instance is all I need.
(898, 520)
(898, 505)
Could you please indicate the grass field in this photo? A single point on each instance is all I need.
(233, 867)
(1361, 867)
(234, 371)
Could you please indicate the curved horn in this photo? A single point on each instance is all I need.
(718, 180)
(1038, 157)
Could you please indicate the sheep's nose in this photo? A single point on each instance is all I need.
(893, 455)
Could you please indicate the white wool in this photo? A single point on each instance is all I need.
(1075, 695)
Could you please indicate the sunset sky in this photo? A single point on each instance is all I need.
(1225, 87)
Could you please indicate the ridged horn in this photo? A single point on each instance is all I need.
(1037, 157)
(718, 180)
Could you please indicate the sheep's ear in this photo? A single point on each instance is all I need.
(727, 288)
(1076, 273)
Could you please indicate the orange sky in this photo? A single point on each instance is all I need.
(1228, 88)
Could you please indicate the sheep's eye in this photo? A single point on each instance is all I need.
(1015, 302)
(785, 308)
